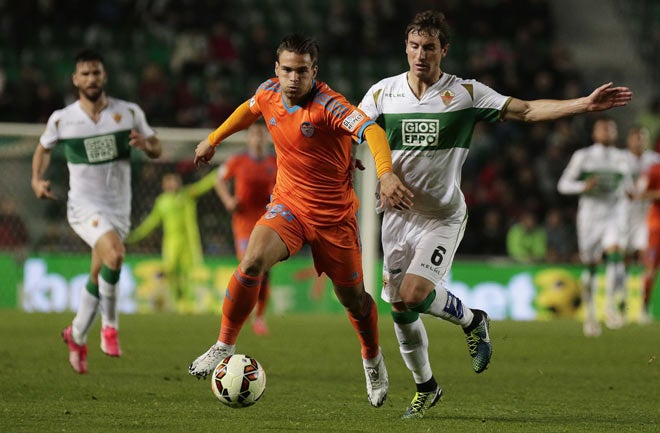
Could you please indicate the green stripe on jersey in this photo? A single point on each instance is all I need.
(97, 149)
(434, 131)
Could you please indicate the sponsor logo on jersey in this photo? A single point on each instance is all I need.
(307, 129)
(420, 132)
(394, 94)
(252, 102)
(100, 149)
(117, 117)
(352, 120)
(447, 96)
(272, 121)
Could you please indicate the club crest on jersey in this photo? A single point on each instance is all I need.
(447, 96)
(117, 117)
(307, 129)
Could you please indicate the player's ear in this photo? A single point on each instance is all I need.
(277, 66)
(444, 50)
(315, 70)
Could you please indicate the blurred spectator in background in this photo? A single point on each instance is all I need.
(650, 119)
(526, 240)
(560, 235)
(13, 231)
(222, 50)
(155, 95)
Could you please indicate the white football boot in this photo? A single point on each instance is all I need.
(377, 381)
(207, 361)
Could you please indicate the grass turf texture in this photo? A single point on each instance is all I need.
(544, 377)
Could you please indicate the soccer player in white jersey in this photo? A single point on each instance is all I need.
(641, 159)
(601, 175)
(98, 133)
(429, 117)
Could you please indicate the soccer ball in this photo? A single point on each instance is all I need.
(238, 381)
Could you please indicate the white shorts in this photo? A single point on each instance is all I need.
(638, 234)
(419, 245)
(595, 235)
(90, 223)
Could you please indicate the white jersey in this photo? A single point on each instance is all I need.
(611, 166)
(430, 138)
(97, 154)
(603, 211)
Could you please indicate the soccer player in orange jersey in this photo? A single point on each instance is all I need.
(651, 185)
(253, 174)
(313, 201)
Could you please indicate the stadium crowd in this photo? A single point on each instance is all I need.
(188, 63)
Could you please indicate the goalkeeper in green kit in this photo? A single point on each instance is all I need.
(175, 210)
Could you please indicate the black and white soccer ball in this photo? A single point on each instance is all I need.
(238, 381)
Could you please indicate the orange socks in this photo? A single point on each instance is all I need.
(240, 298)
(367, 328)
(263, 296)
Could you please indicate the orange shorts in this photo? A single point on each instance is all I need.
(242, 226)
(652, 255)
(336, 250)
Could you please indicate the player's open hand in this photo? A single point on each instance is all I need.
(42, 190)
(203, 152)
(394, 193)
(606, 97)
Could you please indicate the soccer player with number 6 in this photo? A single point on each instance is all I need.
(429, 117)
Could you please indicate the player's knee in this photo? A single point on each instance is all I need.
(115, 258)
(411, 295)
(352, 298)
(254, 265)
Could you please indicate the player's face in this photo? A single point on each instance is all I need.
(296, 73)
(90, 80)
(257, 139)
(638, 140)
(425, 53)
(605, 132)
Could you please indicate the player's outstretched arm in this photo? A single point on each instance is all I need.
(602, 98)
(240, 119)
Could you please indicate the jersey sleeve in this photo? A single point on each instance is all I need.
(140, 119)
(50, 136)
(570, 182)
(370, 103)
(255, 102)
(339, 114)
(489, 104)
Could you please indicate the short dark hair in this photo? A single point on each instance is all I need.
(299, 44)
(432, 23)
(88, 55)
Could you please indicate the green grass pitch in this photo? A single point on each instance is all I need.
(544, 377)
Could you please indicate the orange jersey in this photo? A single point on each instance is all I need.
(313, 145)
(253, 181)
(653, 179)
